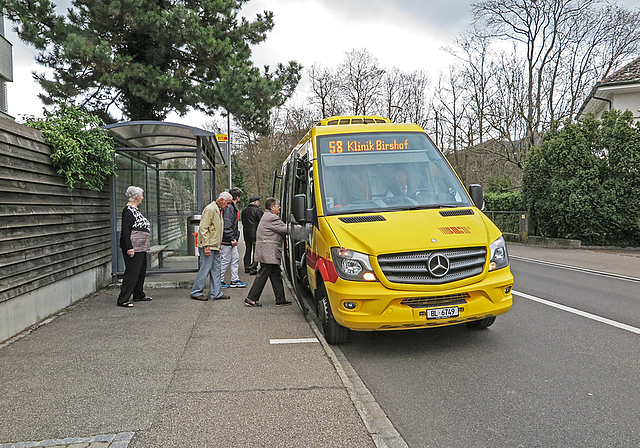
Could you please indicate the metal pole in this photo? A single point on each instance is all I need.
(229, 147)
(199, 175)
(114, 229)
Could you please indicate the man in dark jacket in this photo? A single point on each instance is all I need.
(250, 217)
(229, 248)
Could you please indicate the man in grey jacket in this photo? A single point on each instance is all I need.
(269, 239)
(229, 256)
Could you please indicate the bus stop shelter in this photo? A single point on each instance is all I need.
(175, 165)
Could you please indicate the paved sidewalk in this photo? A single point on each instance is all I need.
(176, 372)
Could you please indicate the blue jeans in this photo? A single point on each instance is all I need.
(209, 267)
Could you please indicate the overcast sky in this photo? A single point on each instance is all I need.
(406, 34)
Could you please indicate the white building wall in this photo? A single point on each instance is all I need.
(628, 101)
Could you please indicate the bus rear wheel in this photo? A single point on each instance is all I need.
(482, 323)
(334, 333)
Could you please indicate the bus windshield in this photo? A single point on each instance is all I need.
(373, 172)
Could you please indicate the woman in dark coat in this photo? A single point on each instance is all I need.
(135, 241)
(269, 239)
(250, 216)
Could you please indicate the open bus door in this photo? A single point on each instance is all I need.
(291, 266)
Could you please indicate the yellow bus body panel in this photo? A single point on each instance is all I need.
(378, 304)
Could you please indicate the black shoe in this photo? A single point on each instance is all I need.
(285, 303)
(126, 304)
(246, 271)
(250, 302)
(144, 299)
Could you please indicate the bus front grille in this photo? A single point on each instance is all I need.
(426, 302)
(433, 267)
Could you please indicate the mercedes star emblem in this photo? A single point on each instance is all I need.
(438, 265)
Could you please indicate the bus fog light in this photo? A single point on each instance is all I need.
(349, 305)
(369, 276)
(507, 290)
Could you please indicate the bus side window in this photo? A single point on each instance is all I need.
(285, 200)
(301, 179)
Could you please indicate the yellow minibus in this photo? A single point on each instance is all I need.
(383, 235)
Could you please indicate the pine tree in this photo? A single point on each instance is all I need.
(147, 58)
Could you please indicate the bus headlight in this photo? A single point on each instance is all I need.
(352, 265)
(499, 257)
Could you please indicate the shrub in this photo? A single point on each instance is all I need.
(506, 202)
(82, 152)
(583, 180)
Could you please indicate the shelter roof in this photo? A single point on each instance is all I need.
(163, 140)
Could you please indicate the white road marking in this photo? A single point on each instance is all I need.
(292, 341)
(603, 320)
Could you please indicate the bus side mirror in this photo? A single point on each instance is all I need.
(299, 209)
(475, 191)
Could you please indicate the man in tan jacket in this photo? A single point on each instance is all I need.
(209, 239)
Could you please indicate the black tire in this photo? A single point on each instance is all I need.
(334, 333)
(482, 323)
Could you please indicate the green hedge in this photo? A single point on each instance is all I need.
(583, 181)
(503, 209)
(507, 202)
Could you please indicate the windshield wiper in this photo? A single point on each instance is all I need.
(397, 209)
(431, 206)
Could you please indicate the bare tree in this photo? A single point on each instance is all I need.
(474, 52)
(391, 97)
(567, 45)
(537, 26)
(361, 80)
(450, 105)
(507, 111)
(414, 101)
(259, 156)
(325, 91)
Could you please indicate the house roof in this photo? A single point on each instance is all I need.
(627, 76)
(630, 73)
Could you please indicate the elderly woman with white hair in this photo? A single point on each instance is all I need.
(135, 242)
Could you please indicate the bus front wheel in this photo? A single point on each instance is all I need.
(482, 323)
(334, 333)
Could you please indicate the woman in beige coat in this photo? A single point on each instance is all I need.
(269, 239)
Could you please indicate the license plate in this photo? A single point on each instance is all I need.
(442, 313)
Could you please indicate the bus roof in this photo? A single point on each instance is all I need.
(372, 127)
(352, 119)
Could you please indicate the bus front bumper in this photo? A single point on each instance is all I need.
(375, 307)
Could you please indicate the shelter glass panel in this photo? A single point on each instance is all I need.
(161, 158)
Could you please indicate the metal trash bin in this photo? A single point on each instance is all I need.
(193, 225)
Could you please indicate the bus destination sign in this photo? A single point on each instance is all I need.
(352, 145)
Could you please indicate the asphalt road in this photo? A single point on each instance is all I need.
(541, 376)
